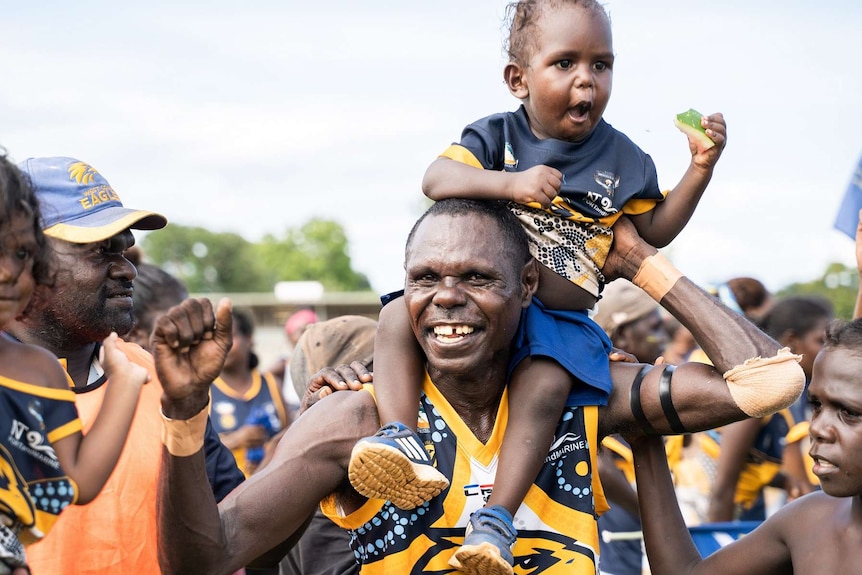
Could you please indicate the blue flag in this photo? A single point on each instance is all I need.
(848, 214)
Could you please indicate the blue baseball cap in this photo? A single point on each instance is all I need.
(79, 205)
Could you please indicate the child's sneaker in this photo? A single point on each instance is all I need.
(487, 548)
(392, 464)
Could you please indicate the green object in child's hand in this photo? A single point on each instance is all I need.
(689, 123)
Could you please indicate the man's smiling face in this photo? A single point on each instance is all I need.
(464, 292)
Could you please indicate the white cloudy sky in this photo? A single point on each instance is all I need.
(255, 116)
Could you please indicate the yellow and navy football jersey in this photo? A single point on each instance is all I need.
(33, 487)
(231, 410)
(556, 524)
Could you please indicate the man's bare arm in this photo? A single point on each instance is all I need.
(310, 462)
(699, 395)
(668, 543)
(196, 536)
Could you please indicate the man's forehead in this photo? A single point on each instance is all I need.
(441, 234)
(447, 225)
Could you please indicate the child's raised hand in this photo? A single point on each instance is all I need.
(716, 129)
(118, 366)
(535, 187)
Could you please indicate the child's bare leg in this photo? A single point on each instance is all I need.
(537, 396)
(398, 366)
(393, 464)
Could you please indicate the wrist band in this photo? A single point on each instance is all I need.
(656, 276)
(184, 437)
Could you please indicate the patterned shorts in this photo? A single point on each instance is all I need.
(572, 249)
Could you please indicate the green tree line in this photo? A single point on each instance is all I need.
(210, 261)
(839, 284)
(318, 250)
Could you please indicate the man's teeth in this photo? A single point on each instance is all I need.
(450, 330)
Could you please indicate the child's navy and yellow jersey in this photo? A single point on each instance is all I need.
(604, 176)
(556, 524)
(33, 487)
(231, 410)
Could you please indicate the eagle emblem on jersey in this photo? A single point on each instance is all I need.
(609, 181)
(537, 553)
(509, 160)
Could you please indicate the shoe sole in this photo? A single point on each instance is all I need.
(482, 559)
(379, 471)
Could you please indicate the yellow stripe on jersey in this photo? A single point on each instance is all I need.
(640, 206)
(463, 155)
(38, 390)
(70, 428)
(249, 394)
(591, 421)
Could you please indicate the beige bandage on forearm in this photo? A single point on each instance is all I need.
(656, 276)
(184, 437)
(762, 386)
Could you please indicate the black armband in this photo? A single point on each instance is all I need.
(635, 401)
(667, 402)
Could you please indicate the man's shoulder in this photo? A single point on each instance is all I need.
(816, 508)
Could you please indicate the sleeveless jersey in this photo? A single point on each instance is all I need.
(556, 524)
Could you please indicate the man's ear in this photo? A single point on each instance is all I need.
(529, 282)
(513, 74)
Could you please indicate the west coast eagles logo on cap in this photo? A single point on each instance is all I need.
(84, 174)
